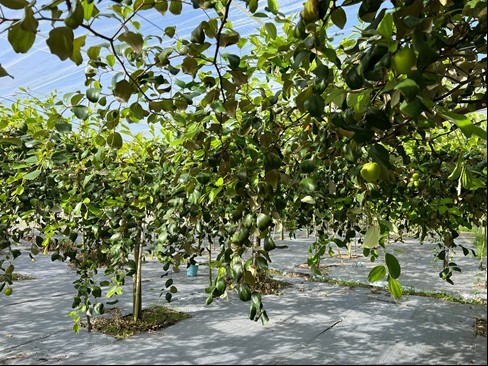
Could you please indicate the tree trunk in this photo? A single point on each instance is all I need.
(137, 279)
(314, 227)
(257, 244)
(209, 250)
(83, 245)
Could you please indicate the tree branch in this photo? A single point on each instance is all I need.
(217, 47)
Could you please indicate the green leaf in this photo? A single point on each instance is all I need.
(339, 17)
(234, 61)
(11, 141)
(170, 31)
(271, 30)
(78, 43)
(308, 184)
(253, 6)
(426, 55)
(322, 72)
(80, 111)
(412, 109)
(144, 4)
(114, 290)
(190, 66)
(408, 88)
(227, 39)
(380, 155)
(336, 96)
(123, 91)
(272, 178)
(114, 140)
(161, 6)
(315, 105)
(456, 173)
(14, 4)
(98, 308)
(89, 10)
(20, 39)
(386, 26)
(75, 18)
(377, 273)
(299, 57)
(175, 7)
(60, 42)
(29, 23)
(372, 237)
(377, 118)
(393, 265)
(308, 199)
(214, 193)
(368, 9)
(418, 24)
(110, 60)
(4, 72)
(134, 40)
(395, 287)
(93, 52)
(32, 175)
(465, 125)
(62, 126)
(96, 291)
(60, 157)
(198, 35)
(164, 105)
(273, 6)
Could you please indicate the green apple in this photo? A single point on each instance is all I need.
(403, 60)
(310, 12)
(370, 172)
(7, 291)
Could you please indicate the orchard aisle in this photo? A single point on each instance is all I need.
(310, 323)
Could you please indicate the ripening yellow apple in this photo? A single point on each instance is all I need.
(370, 172)
(403, 60)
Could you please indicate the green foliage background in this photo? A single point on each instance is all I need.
(260, 132)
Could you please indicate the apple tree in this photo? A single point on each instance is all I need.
(275, 128)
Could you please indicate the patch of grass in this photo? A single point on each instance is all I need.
(154, 318)
(348, 283)
(480, 327)
(274, 272)
(16, 277)
(406, 291)
(442, 296)
(267, 285)
(480, 243)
